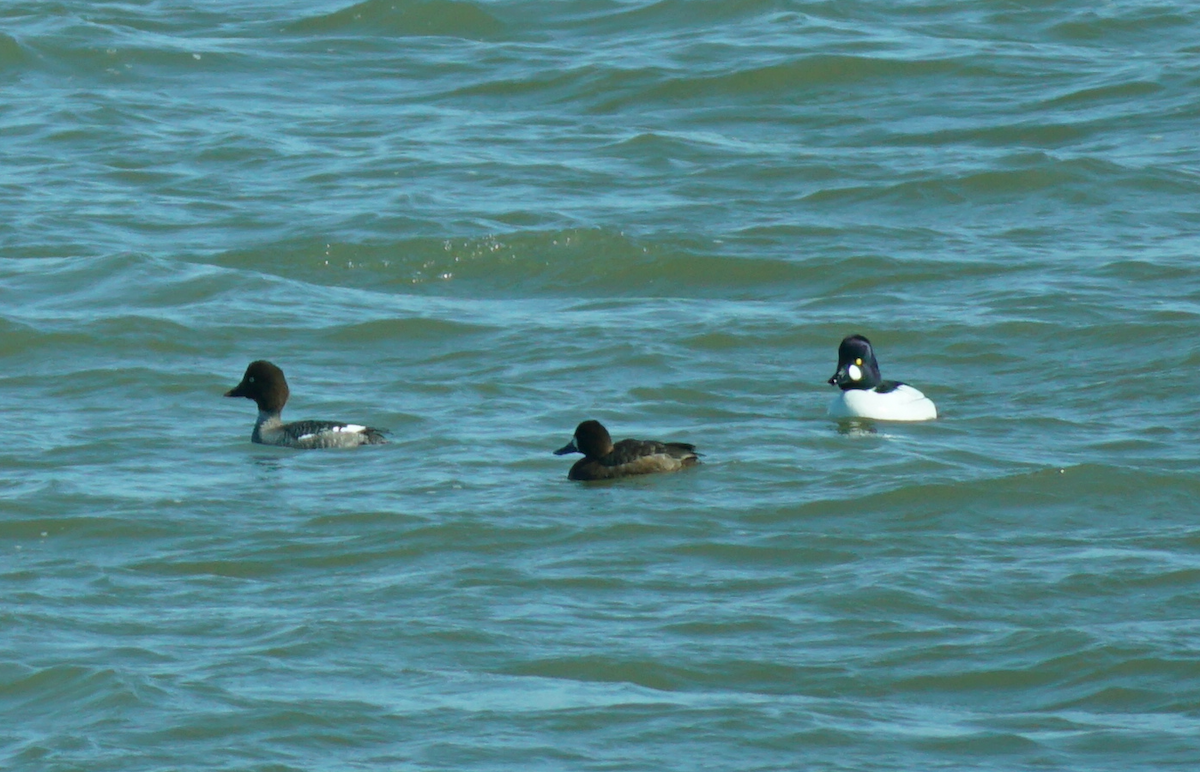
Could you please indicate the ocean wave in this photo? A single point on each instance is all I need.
(441, 18)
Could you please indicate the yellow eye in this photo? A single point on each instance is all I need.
(858, 362)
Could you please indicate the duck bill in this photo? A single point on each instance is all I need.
(838, 378)
(568, 448)
(237, 391)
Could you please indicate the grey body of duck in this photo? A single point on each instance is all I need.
(264, 383)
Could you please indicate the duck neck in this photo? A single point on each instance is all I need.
(267, 419)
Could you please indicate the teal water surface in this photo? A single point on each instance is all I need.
(479, 223)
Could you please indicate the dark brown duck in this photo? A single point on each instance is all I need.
(604, 460)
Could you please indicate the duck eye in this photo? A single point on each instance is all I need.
(251, 379)
(858, 361)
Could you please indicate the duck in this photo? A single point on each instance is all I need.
(604, 460)
(265, 384)
(866, 395)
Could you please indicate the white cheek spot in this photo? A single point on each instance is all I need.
(855, 372)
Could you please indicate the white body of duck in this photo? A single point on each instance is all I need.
(866, 395)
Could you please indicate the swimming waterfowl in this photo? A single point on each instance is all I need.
(866, 395)
(603, 460)
(264, 383)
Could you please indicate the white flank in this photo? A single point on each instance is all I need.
(903, 404)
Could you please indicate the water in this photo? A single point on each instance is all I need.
(477, 224)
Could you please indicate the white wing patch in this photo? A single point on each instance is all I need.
(352, 428)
